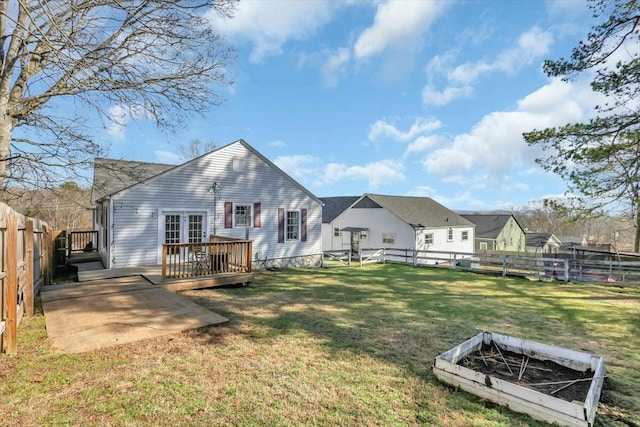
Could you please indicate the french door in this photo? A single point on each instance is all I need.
(182, 227)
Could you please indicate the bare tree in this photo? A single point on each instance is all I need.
(65, 62)
(196, 148)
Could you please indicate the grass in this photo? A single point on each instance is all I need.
(336, 347)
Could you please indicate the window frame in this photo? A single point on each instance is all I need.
(336, 232)
(428, 239)
(288, 225)
(248, 206)
(388, 241)
(450, 234)
(464, 236)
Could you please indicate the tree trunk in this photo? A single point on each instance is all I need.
(636, 241)
(6, 129)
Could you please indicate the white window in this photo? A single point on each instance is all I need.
(428, 239)
(293, 225)
(389, 238)
(465, 236)
(364, 235)
(336, 232)
(239, 165)
(450, 235)
(483, 246)
(242, 215)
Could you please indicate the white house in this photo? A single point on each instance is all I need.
(334, 206)
(376, 221)
(233, 191)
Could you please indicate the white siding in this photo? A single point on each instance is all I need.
(138, 211)
(441, 242)
(380, 220)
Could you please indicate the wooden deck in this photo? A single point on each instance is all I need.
(153, 274)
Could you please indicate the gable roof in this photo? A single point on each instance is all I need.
(489, 226)
(578, 240)
(418, 212)
(334, 206)
(157, 169)
(539, 239)
(113, 175)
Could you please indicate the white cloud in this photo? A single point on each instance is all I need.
(397, 24)
(120, 115)
(532, 44)
(435, 97)
(333, 68)
(423, 143)
(277, 144)
(495, 143)
(376, 173)
(168, 157)
(383, 129)
(299, 166)
(270, 24)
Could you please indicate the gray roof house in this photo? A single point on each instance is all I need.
(497, 232)
(376, 221)
(331, 208)
(232, 191)
(542, 243)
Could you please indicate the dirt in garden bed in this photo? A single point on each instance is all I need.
(541, 375)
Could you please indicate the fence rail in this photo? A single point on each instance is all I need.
(82, 241)
(191, 260)
(578, 270)
(25, 266)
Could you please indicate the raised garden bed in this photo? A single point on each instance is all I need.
(549, 383)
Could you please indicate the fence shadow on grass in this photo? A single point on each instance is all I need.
(407, 316)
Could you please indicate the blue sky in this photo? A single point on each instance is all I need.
(426, 98)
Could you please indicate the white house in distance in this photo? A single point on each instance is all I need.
(233, 191)
(376, 221)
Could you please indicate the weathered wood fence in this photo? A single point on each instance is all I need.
(26, 264)
(609, 271)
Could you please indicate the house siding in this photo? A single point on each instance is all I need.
(511, 238)
(380, 220)
(138, 211)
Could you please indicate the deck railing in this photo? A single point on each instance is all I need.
(197, 260)
(82, 241)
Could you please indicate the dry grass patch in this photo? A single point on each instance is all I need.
(325, 347)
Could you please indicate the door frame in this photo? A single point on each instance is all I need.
(184, 225)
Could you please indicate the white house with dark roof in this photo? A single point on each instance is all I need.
(378, 221)
(233, 191)
(334, 206)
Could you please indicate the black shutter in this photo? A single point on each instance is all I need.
(228, 215)
(280, 225)
(303, 225)
(256, 215)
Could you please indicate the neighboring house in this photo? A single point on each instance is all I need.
(377, 221)
(497, 232)
(233, 191)
(567, 243)
(334, 206)
(542, 243)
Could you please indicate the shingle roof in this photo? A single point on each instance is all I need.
(537, 239)
(334, 206)
(488, 226)
(113, 175)
(420, 211)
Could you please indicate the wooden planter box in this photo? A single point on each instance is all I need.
(519, 398)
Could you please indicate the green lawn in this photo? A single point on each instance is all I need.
(342, 346)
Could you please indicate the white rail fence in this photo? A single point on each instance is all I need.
(612, 270)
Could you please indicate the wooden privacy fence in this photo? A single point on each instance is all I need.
(26, 260)
(612, 270)
(219, 255)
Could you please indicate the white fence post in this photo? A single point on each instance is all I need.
(455, 262)
(504, 266)
(566, 270)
